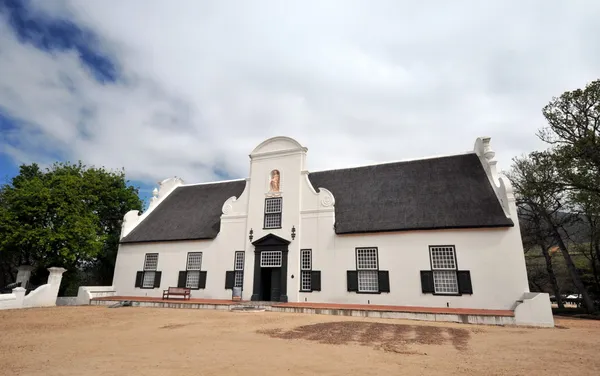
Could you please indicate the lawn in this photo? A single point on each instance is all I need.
(147, 341)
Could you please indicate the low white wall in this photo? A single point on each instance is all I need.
(43, 296)
(14, 300)
(535, 310)
(86, 293)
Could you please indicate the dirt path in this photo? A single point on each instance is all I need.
(144, 341)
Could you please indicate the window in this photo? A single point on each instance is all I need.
(310, 280)
(273, 208)
(235, 277)
(270, 259)
(305, 269)
(194, 264)
(239, 269)
(149, 277)
(193, 277)
(444, 278)
(443, 264)
(366, 265)
(367, 278)
(150, 265)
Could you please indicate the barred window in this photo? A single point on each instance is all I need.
(151, 261)
(367, 265)
(194, 261)
(239, 261)
(193, 267)
(150, 266)
(443, 264)
(442, 258)
(192, 279)
(270, 259)
(273, 209)
(305, 269)
(239, 278)
(238, 266)
(368, 281)
(148, 281)
(366, 258)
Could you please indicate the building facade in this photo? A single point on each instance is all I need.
(434, 232)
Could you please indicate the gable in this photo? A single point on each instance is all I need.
(437, 193)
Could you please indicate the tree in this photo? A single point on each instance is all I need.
(68, 215)
(541, 198)
(574, 129)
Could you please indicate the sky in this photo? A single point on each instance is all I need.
(189, 88)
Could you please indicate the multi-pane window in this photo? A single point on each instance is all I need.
(238, 266)
(273, 208)
(270, 259)
(305, 269)
(443, 265)
(193, 266)
(149, 277)
(367, 267)
(150, 266)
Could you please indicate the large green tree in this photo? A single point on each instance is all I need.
(67, 215)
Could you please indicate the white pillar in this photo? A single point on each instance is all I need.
(54, 279)
(23, 274)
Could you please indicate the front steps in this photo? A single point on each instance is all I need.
(466, 316)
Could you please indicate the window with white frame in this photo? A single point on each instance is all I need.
(193, 267)
(367, 268)
(150, 266)
(443, 265)
(273, 208)
(238, 266)
(270, 259)
(305, 270)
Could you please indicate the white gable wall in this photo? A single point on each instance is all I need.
(494, 257)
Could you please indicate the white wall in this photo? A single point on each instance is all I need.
(494, 257)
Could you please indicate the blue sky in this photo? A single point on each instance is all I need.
(50, 35)
(190, 90)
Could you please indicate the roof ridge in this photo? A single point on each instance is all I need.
(440, 156)
(213, 182)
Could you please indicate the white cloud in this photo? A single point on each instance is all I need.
(354, 81)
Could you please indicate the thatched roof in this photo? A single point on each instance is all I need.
(437, 193)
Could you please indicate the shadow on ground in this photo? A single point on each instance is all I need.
(383, 336)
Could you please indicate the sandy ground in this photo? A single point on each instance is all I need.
(147, 341)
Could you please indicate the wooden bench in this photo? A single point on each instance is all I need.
(177, 291)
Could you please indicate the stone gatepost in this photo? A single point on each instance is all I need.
(23, 274)
(54, 279)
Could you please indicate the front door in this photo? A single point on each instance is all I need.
(270, 282)
(270, 269)
(275, 284)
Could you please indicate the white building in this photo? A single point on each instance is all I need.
(435, 232)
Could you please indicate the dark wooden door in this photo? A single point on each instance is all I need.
(275, 284)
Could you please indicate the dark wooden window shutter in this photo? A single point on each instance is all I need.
(229, 279)
(464, 282)
(202, 282)
(352, 277)
(139, 277)
(315, 280)
(182, 279)
(427, 282)
(384, 281)
(157, 276)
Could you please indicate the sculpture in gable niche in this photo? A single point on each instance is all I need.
(275, 179)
